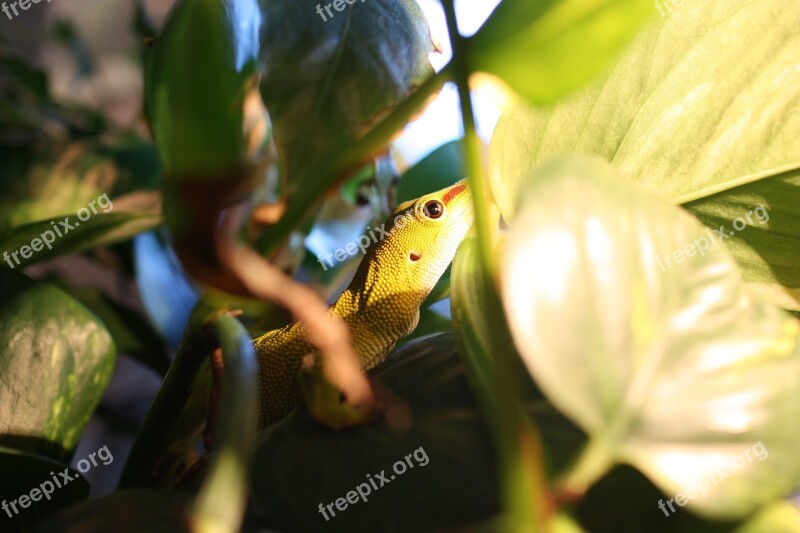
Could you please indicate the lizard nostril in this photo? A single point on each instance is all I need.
(414, 256)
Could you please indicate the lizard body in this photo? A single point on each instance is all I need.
(380, 306)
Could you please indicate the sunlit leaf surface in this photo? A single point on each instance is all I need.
(546, 49)
(650, 342)
(701, 109)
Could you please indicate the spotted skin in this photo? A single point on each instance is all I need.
(380, 306)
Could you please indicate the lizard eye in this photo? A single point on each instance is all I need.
(433, 209)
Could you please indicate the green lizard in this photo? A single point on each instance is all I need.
(380, 306)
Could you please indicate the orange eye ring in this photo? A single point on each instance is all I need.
(433, 209)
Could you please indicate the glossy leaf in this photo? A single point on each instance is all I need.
(60, 181)
(327, 80)
(56, 359)
(671, 365)
(547, 49)
(696, 116)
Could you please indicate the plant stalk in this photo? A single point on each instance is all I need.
(525, 493)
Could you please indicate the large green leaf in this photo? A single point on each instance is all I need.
(640, 329)
(132, 334)
(56, 360)
(547, 49)
(700, 110)
(327, 82)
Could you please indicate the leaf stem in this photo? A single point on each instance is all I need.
(526, 495)
(593, 462)
(220, 504)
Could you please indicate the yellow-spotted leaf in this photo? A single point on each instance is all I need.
(56, 359)
(636, 324)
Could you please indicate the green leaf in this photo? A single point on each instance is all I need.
(327, 82)
(439, 169)
(132, 334)
(44, 183)
(300, 464)
(696, 116)
(548, 49)
(674, 368)
(101, 229)
(198, 75)
(471, 323)
(56, 360)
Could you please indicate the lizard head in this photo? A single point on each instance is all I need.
(416, 244)
(424, 235)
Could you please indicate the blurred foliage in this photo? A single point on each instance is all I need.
(673, 371)
(326, 84)
(23, 471)
(544, 37)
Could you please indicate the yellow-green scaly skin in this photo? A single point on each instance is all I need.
(380, 306)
